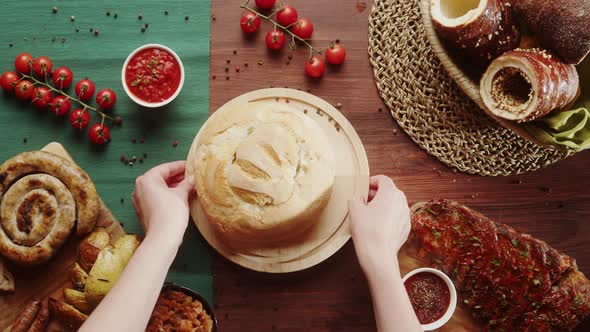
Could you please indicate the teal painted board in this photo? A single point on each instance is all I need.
(31, 26)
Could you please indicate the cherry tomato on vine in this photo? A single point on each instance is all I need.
(99, 134)
(314, 67)
(42, 66)
(84, 89)
(42, 96)
(79, 118)
(61, 105)
(335, 54)
(106, 99)
(265, 4)
(24, 90)
(250, 22)
(62, 77)
(287, 16)
(303, 28)
(8, 80)
(275, 40)
(23, 63)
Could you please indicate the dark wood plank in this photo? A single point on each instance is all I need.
(333, 296)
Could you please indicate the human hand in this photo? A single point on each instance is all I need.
(161, 202)
(381, 226)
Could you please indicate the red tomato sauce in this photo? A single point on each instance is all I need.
(429, 295)
(153, 75)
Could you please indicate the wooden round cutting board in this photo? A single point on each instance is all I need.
(330, 232)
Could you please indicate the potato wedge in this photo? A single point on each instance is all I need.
(78, 300)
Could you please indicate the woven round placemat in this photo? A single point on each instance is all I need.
(431, 108)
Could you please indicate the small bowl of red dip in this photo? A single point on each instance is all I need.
(433, 297)
(152, 75)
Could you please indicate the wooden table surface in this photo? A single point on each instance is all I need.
(552, 204)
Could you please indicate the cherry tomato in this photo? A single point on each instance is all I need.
(8, 81)
(61, 105)
(314, 67)
(250, 22)
(79, 118)
(265, 4)
(24, 90)
(62, 77)
(287, 16)
(42, 96)
(99, 134)
(42, 66)
(303, 28)
(335, 54)
(84, 89)
(106, 99)
(23, 63)
(275, 40)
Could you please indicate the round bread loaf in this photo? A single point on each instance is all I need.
(263, 174)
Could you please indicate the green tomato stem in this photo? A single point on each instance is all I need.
(86, 106)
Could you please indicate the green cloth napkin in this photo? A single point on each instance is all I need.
(31, 25)
(570, 129)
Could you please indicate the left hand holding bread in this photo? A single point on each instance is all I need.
(164, 186)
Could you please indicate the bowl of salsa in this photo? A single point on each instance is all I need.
(152, 75)
(433, 296)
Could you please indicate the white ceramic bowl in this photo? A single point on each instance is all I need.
(453, 292)
(143, 102)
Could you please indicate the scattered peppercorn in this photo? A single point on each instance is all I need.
(380, 109)
(54, 9)
(91, 30)
(235, 52)
(25, 140)
(246, 64)
(213, 17)
(11, 45)
(227, 78)
(63, 40)
(237, 69)
(141, 160)
(118, 120)
(145, 155)
(72, 18)
(116, 15)
(142, 29)
(140, 17)
(77, 29)
(122, 200)
(134, 159)
(175, 143)
(213, 77)
(337, 41)
(53, 39)
(96, 32)
(228, 61)
(166, 12)
(290, 56)
(288, 63)
(108, 13)
(305, 111)
(186, 18)
(226, 69)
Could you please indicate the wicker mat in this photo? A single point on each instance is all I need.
(431, 108)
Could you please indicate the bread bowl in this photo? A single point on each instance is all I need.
(263, 174)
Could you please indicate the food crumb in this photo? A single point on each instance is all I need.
(54, 9)
(72, 18)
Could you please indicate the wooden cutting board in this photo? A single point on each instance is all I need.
(49, 279)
